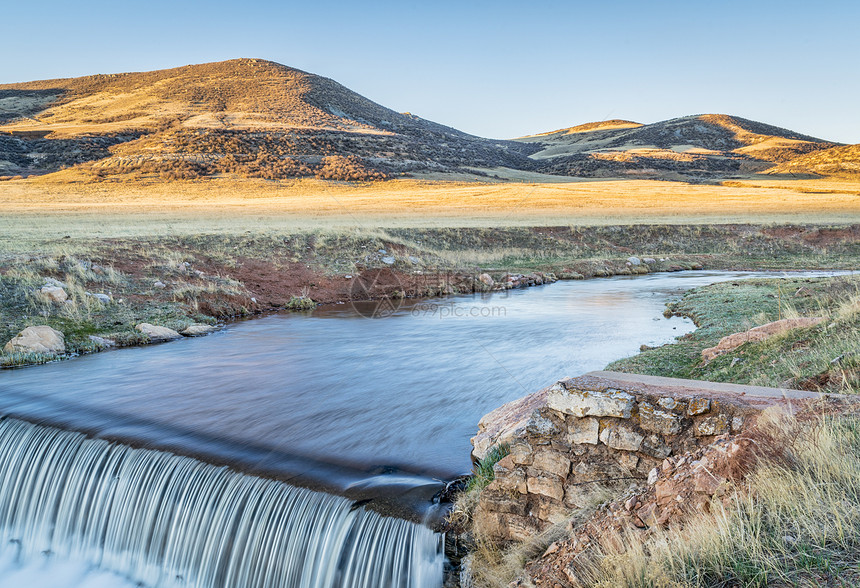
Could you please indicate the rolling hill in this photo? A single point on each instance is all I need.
(245, 116)
(257, 118)
(705, 145)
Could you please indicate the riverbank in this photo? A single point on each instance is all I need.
(819, 354)
(111, 285)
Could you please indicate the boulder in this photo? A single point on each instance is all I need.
(198, 330)
(103, 298)
(41, 339)
(54, 293)
(487, 280)
(634, 261)
(156, 333)
(388, 260)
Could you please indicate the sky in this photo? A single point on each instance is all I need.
(497, 69)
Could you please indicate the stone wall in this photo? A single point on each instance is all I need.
(598, 430)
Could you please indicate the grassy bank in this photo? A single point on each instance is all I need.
(822, 357)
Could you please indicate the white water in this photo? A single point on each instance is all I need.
(76, 511)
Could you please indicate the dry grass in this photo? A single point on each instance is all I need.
(58, 206)
(494, 567)
(794, 522)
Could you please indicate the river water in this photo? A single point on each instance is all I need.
(401, 392)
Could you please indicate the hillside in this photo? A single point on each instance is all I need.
(701, 146)
(257, 118)
(836, 161)
(245, 116)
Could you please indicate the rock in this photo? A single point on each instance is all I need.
(583, 431)
(159, 284)
(103, 298)
(655, 446)
(622, 438)
(546, 486)
(487, 280)
(628, 461)
(505, 424)
(653, 476)
(54, 293)
(712, 425)
(97, 269)
(707, 483)
(658, 421)
(581, 403)
(634, 261)
(198, 330)
(55, 283)
(508, 477)
(42, 339)
(670, 403)
(540, 426)
(101, 342)
(414, 260)
(649, 260)
(551, 462)
(493, 498)
(521, 452)
(698, 406)
(387, 260)
(731, 342)
(156, 333)
(549, 509)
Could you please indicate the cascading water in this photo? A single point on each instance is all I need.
(163, 520)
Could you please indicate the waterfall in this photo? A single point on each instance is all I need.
(163, 520)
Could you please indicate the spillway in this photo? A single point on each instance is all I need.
(164, 520)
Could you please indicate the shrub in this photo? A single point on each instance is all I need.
(300, 303)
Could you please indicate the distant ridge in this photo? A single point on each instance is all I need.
(615, 123)
(257, 118)
(704, 145)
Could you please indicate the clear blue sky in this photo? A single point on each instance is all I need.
(496, 69)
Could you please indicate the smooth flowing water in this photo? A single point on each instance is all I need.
(406, 390)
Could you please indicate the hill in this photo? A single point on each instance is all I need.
(705, 145)
(257, 118)
(246, 116)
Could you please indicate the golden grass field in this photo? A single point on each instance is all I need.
(58, 205)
